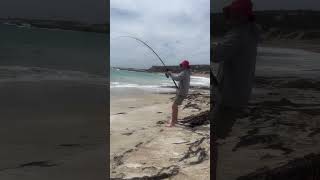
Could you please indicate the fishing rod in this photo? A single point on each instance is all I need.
(154, 53)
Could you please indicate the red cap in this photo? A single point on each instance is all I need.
(241, 7)
(185, 64)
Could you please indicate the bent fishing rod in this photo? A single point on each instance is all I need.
(153, 52)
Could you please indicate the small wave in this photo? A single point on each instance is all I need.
(24, 25)
(200, 81)
(128, 85)
(151, 88)
(35, 74)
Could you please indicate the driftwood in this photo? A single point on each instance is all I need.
(196, 120)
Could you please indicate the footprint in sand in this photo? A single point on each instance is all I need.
(121, 113)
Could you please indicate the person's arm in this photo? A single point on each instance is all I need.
(225, 50)
(177, 77)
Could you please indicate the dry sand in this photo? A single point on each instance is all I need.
(282, 124)
(142, 147)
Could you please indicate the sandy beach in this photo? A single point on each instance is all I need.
(52, 130)
(142, 147)
(277, 136)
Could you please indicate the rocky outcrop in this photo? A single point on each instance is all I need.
(202, 69)
(199, 69)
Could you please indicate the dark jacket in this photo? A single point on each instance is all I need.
(236, 55)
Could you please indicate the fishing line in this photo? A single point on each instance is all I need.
(144, 43)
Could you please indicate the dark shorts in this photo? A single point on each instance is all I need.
(178, 100)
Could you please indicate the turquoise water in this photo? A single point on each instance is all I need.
(33, 54)
(54, 49)
(122, 79)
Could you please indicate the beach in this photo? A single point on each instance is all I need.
(141, 145)
(53, 91)
(278, 137)
(52, 130)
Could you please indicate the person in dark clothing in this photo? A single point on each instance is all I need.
(236, 57)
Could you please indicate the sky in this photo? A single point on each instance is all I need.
(175, 29)
(95, 11)
(89, 11)
(217, 5)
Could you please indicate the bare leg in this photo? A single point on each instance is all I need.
(174, 115)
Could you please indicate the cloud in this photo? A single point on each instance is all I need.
(122, 14)
(178, 29)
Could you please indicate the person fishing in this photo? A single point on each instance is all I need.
(236, 55)
(182, 91)
(183, 78)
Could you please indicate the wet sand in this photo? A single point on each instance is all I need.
(52, 130)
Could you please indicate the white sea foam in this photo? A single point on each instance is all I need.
(151, 88)
(167, 86)
(35, 74)
(200, 81)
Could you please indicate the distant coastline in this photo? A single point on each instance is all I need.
(277, 24)
(56, 24)
(196, 69)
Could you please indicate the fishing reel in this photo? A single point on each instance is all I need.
(167, 75)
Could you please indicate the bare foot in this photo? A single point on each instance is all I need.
(169, 125)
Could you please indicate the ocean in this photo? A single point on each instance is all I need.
(53, 91)
(147, 82)
(34, 54)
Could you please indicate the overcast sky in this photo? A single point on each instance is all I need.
(175, 29)
(216, 5)
(92, 11)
